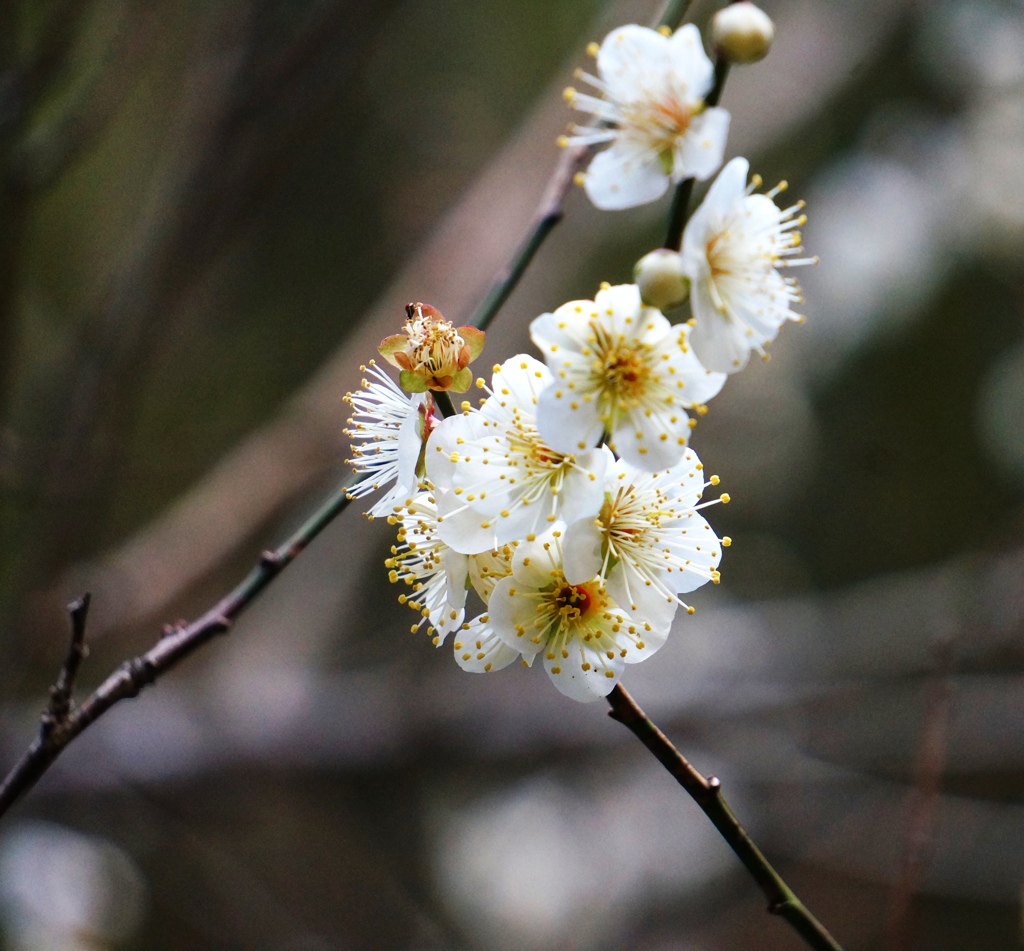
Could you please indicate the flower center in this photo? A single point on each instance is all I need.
(715, 257)
(525, 442)
(571, 606)
(625, 373)
(571, 601)
(662, 121)
(434, 344)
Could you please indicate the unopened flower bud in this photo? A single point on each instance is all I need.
(661, 280)
(742, 32)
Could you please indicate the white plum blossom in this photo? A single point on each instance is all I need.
(431, 352)
(732, 249)
(649, 544)
(440, 579)
(652, 110)
(478, 649)
(388, 429)
(437, 575)
(584, 637)
(497, 479)
(621, 372)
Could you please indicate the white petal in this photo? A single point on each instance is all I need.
(727, 190)
(486, 569)
(654, 326)
(479, 650)
(624, 176)
(618, 302)
(641, 599)
(690, 66)
(410, 440)
(583, 489)
(652, 640)
(519, 379)
(719, 343)
(581, 551)
(567, 422)
(584, 685)
(699, 153)
(462, 528)
(444, 440)
(684, 482)
(652, 442)
(508, 612)
(552, 332)
(628, 58)
(456, 571)
(533, 563)
(701, 563)
(701, 381)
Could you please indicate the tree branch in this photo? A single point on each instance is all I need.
(707, 793)
(62, 722)
(549, 213)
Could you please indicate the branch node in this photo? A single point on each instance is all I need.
(270, 560)
(169, 630)
(141, 673)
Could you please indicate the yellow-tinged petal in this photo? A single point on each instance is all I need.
(462, 380)
(474, 340)
(412, 382)
(389, 346)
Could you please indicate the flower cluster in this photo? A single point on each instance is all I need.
(653, 111)
(578, 530)
(561, 517)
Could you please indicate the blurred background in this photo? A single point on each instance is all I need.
(209, 215)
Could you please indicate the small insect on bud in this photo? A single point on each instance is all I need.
(661, 280)
(742, 33)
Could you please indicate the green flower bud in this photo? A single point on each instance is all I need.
(742, 33)
(661, 280)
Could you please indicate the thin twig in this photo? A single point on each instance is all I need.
(443, 401)
(707, 793)
(673, 13)
(549, 213)
(61, 696)
(177, 644)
